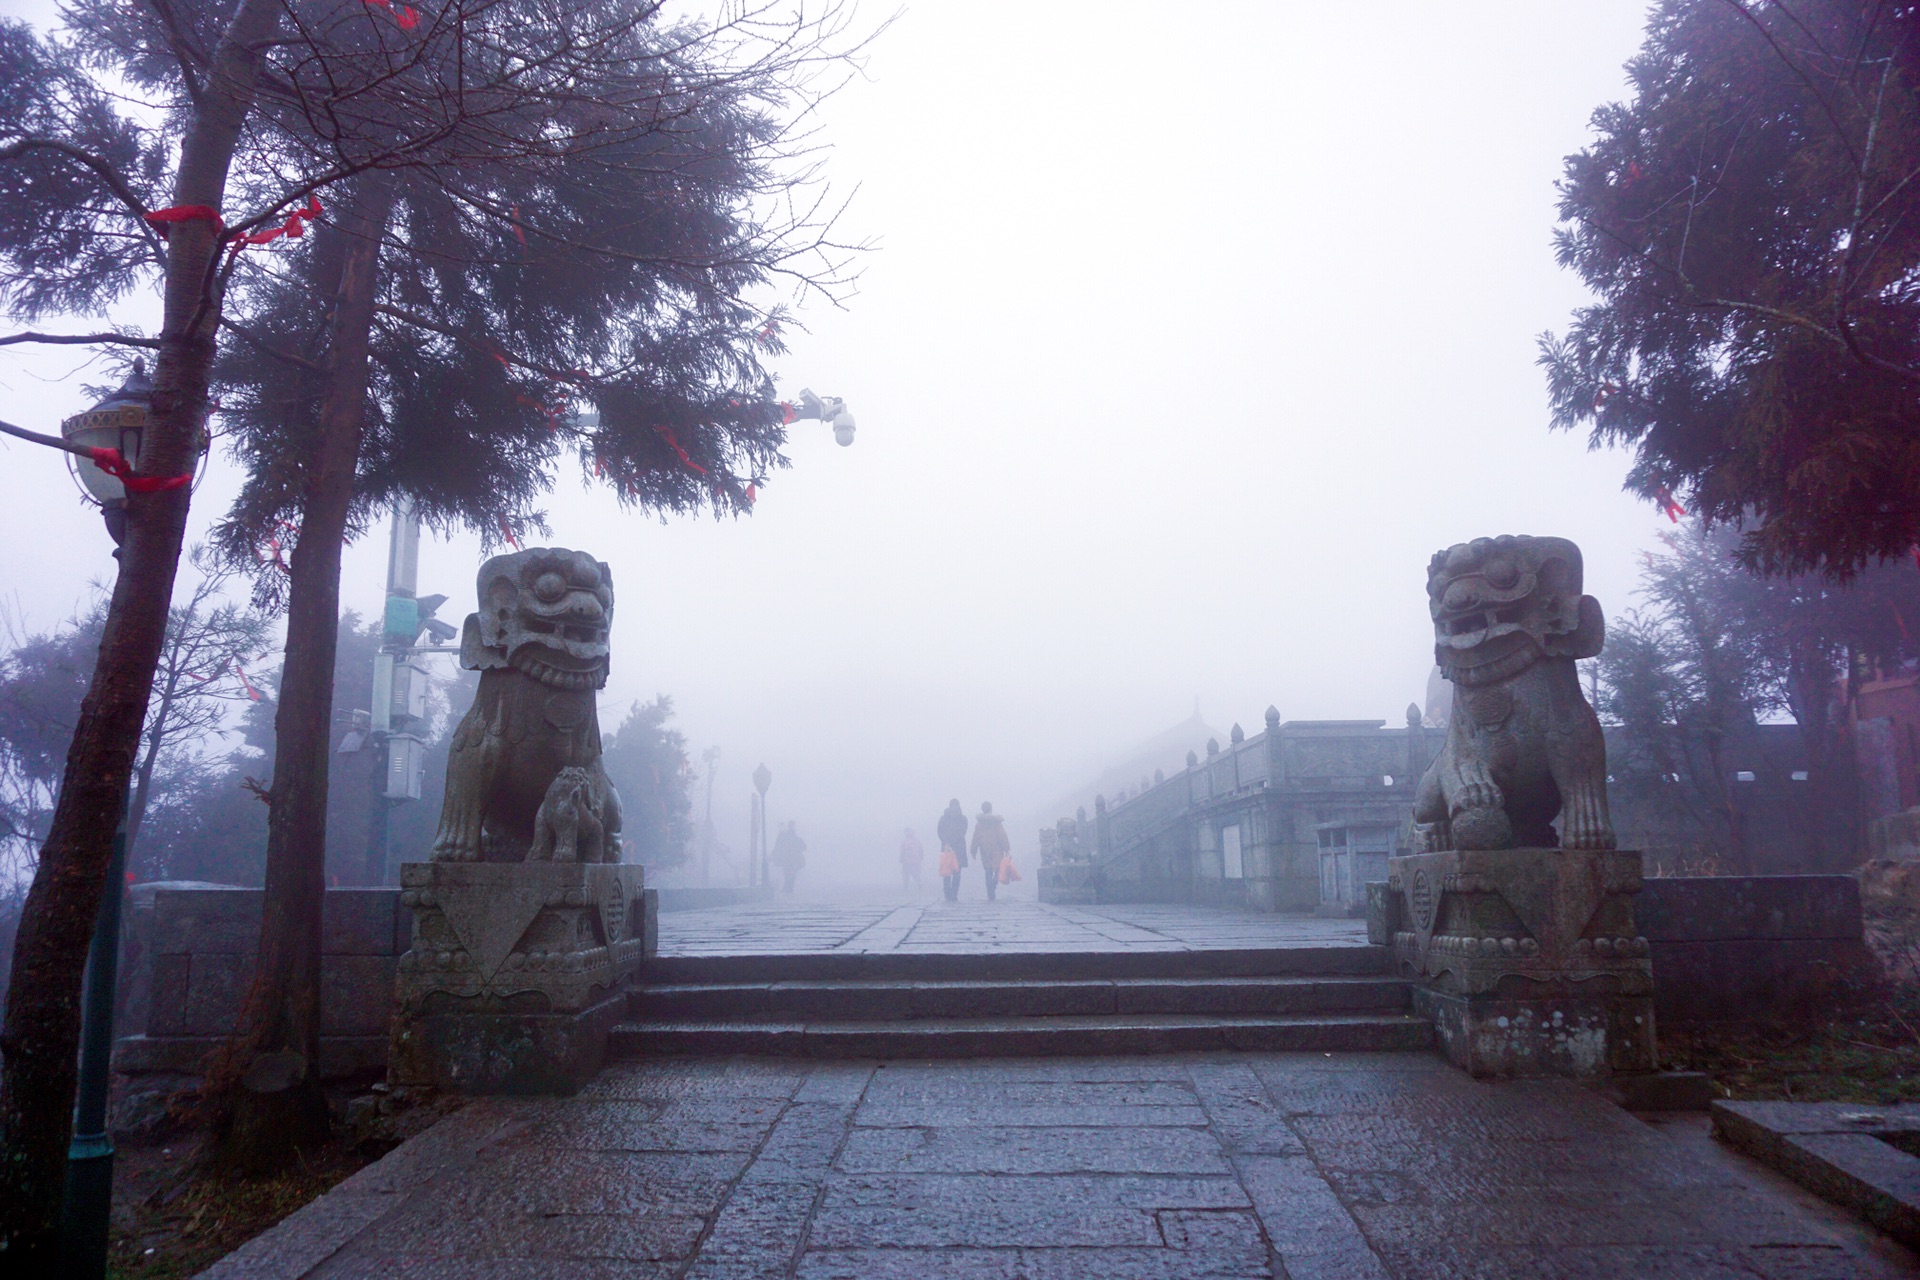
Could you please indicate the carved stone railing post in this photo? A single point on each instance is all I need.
(1520, 938)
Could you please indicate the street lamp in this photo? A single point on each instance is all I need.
(119, 423)
(103, 447)
(757, 859)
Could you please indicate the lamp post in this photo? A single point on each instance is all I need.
(87, 1207)
(757, 849)
(103, 446)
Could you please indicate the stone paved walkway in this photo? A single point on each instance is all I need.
(982, 926)
(1315, 1168)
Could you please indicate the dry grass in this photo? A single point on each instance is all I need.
(173, 1214)
(1869, 1054)
(172, 1218)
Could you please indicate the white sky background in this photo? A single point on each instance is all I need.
(1190, 336)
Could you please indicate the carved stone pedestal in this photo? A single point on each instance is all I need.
(1527, 960)
(1067, 882)
(517, 972)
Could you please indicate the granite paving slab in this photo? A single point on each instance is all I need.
(797, 928)
(1244, 1165)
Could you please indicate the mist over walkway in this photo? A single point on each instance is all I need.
(807, 927)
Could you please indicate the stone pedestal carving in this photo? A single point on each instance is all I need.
(516, 973)
(1528, 960)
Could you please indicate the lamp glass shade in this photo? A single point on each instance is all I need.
(118, 422)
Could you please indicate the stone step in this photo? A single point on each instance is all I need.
(1020, 966)
(858, 1001)
(1023, 1037)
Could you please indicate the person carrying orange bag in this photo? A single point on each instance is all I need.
(1008, 874)
(990, 845)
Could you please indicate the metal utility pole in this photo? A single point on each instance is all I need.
(400, 684)
(87, 1207)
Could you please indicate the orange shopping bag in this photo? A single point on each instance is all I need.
(1007, 874)
(949, 864)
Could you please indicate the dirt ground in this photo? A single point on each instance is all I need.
(174, 1216)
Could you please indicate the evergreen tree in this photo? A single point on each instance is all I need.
(1718, 648)
(454, 316)
(1748, 223)
(102, 193)
(647, 763)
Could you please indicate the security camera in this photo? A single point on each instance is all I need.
(828, 409)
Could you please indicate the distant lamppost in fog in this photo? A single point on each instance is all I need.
(757, 844)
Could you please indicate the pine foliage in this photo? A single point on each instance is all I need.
(1750, 222)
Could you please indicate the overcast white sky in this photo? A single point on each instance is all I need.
(1191, 334)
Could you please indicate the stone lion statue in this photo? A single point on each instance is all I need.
(1523, 746)
(524, 778)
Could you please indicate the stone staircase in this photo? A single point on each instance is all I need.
(950, 1005)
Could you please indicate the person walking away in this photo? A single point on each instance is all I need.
(911, 858)
(789, 854)
(949, 872)
(952, 830)
(990, 844)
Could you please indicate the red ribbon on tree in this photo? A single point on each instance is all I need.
(1667, 504)
(245, 683)
(188, 213)
(405, 16)
(270, 552)
(787, 416)
(666, 433)
(110, 461)
(506, 531)
(293, 228)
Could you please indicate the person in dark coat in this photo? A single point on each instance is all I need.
(952, 830)
(789, 854)
(990, 844)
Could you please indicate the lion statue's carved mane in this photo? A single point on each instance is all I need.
(1523, 746)
(539, 642)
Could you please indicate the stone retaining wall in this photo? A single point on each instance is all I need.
(1731, 947)
(189, 955)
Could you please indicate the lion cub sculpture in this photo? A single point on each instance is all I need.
(1523, 746)
(524, 780)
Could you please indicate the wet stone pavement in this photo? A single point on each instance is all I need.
(788, 927)
(1231, 1165)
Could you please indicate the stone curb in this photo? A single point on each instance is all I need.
(1838, 1151)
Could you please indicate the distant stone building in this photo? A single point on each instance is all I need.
(1300, 817)
(1296, 818)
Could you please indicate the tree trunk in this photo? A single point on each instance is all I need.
(266, 1090)
(40, 1038)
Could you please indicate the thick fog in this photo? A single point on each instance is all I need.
(1190, 333)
